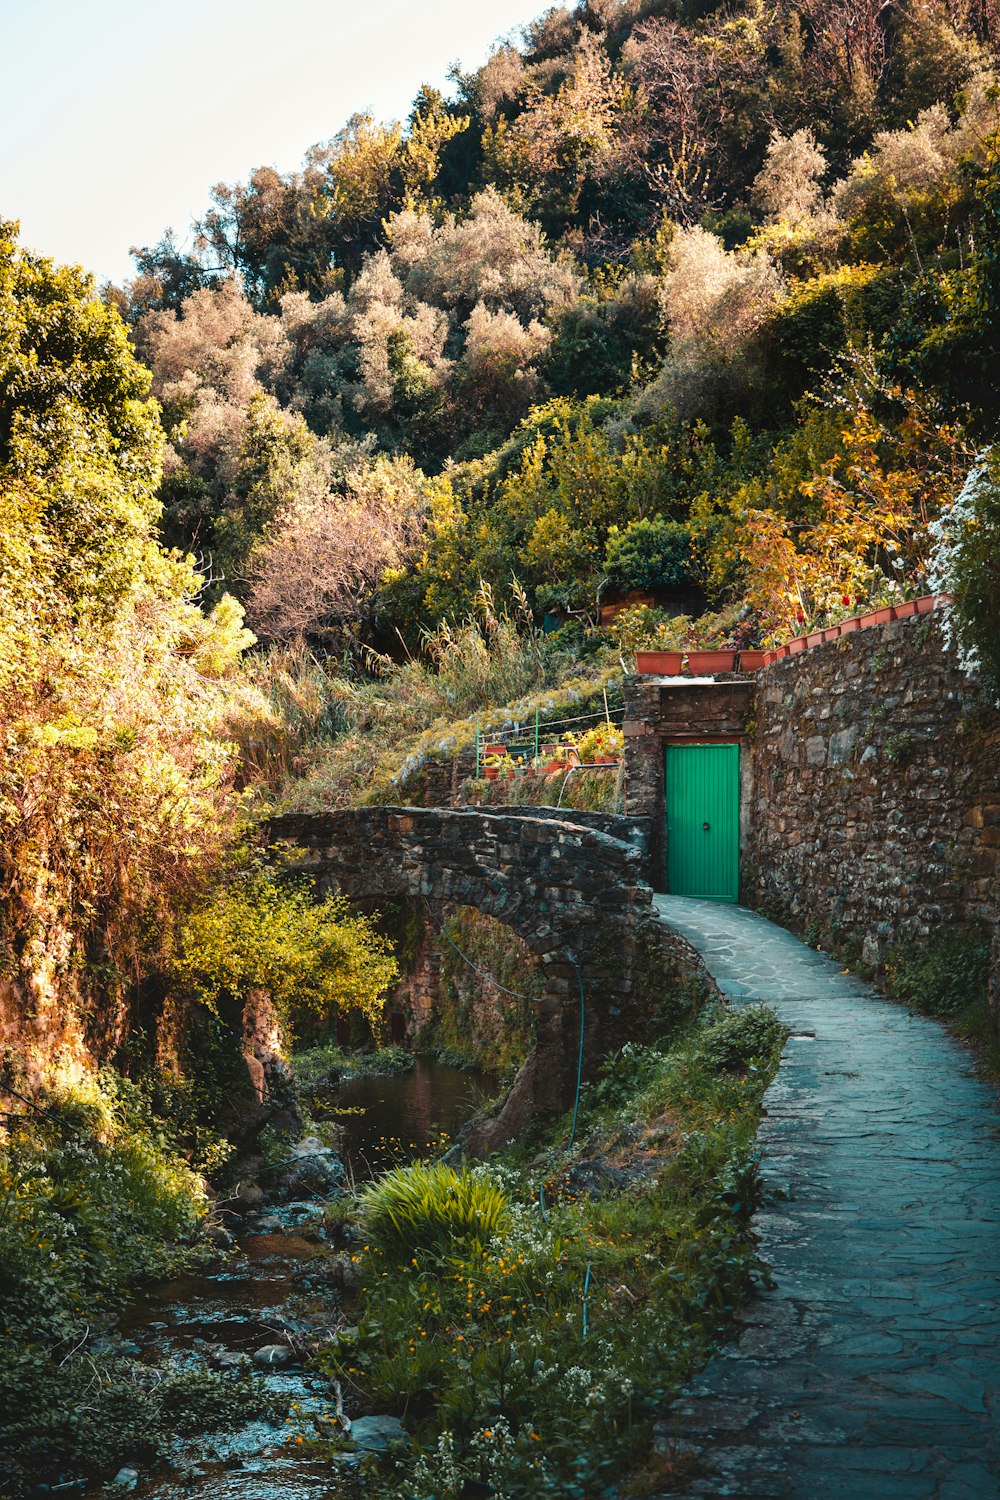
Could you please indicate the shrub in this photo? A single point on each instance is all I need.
(431, 1208)
(944, 976)
(648, 554)
(315, 957)
(967, 564)
(740, 1038)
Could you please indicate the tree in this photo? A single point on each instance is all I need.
(315, 958)
(80, 443)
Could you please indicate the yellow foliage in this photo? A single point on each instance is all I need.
(314, 957)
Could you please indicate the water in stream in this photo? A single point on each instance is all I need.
(277, 1282)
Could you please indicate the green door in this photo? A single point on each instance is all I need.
(703, 821)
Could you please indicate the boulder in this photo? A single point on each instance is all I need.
(250, 1195)
(376, 1433)
(311, 1169)
(273, 1356)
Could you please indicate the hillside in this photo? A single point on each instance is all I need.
(659, 298)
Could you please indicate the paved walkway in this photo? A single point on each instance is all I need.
(871, 1371)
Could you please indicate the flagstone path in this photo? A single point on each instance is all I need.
(871, 1369)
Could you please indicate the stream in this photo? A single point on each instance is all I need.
(278, 1286)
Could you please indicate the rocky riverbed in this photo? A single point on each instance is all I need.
(279, 1291)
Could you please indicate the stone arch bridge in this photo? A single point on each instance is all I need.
(573, 892)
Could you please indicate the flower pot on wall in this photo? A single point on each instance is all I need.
(925, 604)
(660, 663)
(779, 653)
(876, 617)
(799, 644)
(752, 661)
(904, 611)
(831, 632)
(814, 638)
(711, 661)
(846, 626)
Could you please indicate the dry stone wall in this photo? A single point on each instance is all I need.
(875, 810)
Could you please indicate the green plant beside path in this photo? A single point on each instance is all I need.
(527, 1331)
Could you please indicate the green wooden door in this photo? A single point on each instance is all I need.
(703, 821)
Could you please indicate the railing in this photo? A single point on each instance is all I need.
(525, 740)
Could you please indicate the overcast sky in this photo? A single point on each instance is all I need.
(117, 116)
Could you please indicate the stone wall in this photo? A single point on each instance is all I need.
(876, 804)
(870, 785)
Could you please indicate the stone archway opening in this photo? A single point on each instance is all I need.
(490, 984)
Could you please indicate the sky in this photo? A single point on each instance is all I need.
(118, 116)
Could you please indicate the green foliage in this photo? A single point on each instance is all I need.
(315, 958)
(474, 1021)
(80, 443)
(944, 976)
(968, 566)
(94, 1198)
(739, 1040)
(648, 554)
(199, 1400)
(432, 1210)
(533, 1363)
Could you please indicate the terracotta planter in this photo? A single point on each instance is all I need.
(799, 644)
(490, 772)
(494, 749)
(779, 653)
(846, 626)
(711, 661)
(814, 638)
(876, 617)
(752, 661)
(925, 604)
(904, 611)
(660, 663)
(831, 632)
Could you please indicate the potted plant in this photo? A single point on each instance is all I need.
(799, 644)
(711, 661)
(876, 617)
(659, 663)
(752, 661)
(601, 746)
(905, 610)
(846, 626)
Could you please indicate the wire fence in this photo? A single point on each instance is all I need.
(526, 738)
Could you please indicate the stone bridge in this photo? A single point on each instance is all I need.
(575, 894)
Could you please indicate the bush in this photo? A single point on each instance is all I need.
(648, 554)
(967, 564)
(314, 957)
(430, 1209)
(739, 1039)
(943, 977)
(93, 1200)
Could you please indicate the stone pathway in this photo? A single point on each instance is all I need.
(871, 1371)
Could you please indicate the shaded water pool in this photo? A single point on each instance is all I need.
(399, 1116)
